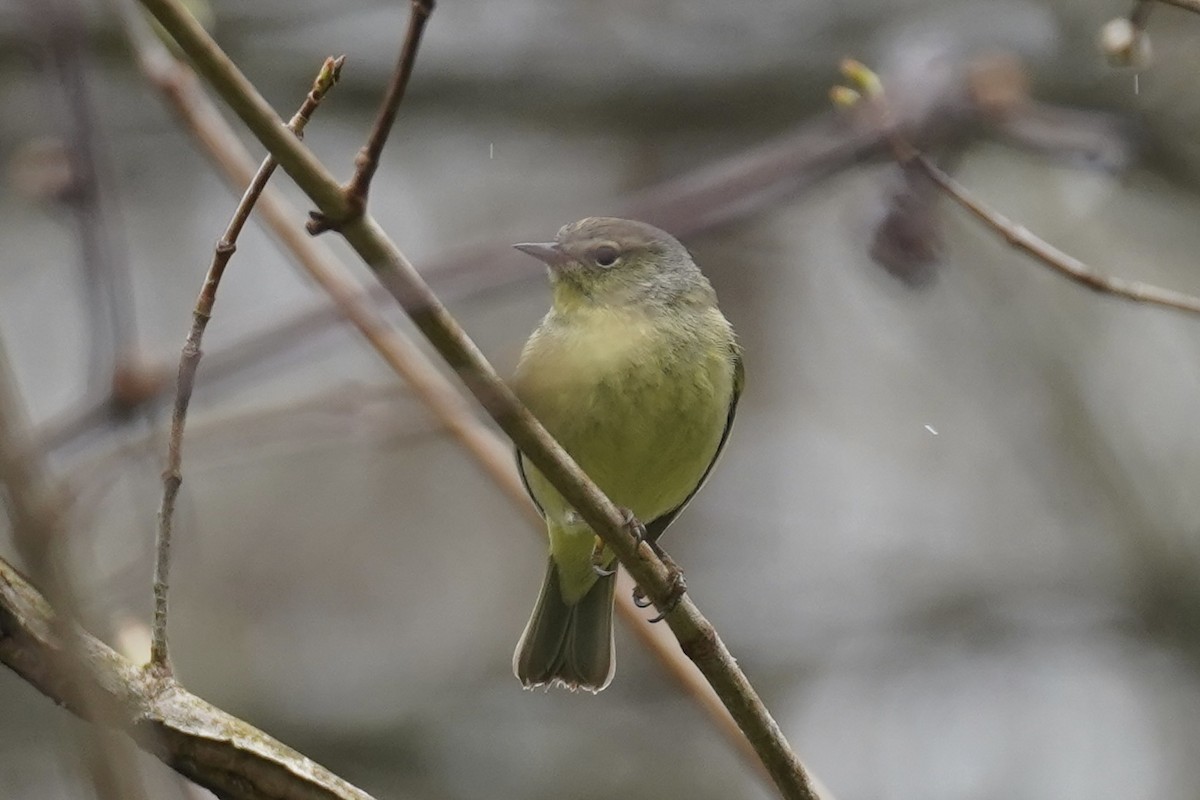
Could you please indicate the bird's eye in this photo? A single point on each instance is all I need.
(605, 255)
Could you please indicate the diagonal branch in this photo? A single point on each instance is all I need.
(1072, 268)
(697, 637)
(189, 362)
(870, 91)
(488, 450)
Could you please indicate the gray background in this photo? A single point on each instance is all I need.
(953, 540)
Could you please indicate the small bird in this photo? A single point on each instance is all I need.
(637, 374)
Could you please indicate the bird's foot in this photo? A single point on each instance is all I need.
(636, 529)
(602, 567)
(677, 583)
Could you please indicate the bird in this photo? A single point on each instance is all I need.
(637, 374)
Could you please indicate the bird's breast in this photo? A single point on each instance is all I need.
(639, 402)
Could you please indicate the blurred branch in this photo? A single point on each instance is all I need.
(697, 202)
(355, 303)
(367, 161)
(697, 637)
(1067, 265)
(107, 293)
(870, 89)
(1186, 5)
(37, 510)
(196, 739)
(189, 361)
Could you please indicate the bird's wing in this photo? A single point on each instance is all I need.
(525, 482)
(655, 527)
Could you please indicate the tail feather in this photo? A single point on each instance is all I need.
(568, 645)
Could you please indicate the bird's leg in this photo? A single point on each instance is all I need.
(636, 529)
(678, 590)
(674, 578)
(675, 575)
(598, 565)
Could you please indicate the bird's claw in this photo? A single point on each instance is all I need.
(678, 589)
(636, 529)
(598, 566)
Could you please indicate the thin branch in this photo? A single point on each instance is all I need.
(189, 361)
(367, 160)
(200, 741)
(697, 637)
(1065, 264)
(356, 304)
(870, 88)
(107, 292)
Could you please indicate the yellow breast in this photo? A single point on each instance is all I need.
(639, 399)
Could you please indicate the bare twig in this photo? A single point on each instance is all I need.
(189, 361)
(367, 160)
(218, 751)
(1067, 265)
(697, 637)
(1016, 235)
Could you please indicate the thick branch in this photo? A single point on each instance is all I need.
(697, 637)
(214, 749)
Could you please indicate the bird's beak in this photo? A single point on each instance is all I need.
(549, 253)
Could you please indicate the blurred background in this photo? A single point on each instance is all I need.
(954, 540)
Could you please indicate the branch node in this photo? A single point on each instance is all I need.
(319, 222)
(366, 162)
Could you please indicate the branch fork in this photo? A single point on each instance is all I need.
(355, 191)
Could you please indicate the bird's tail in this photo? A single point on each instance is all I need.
(568, 645)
